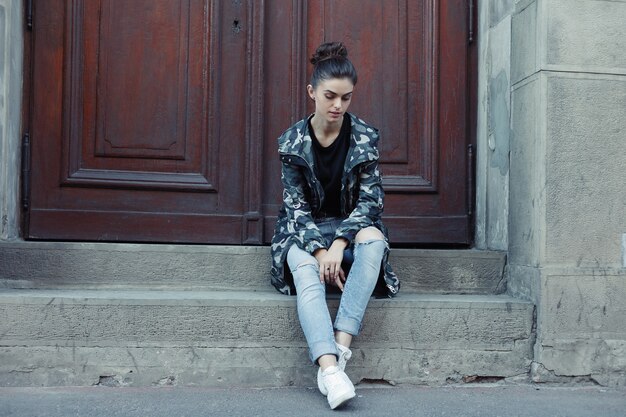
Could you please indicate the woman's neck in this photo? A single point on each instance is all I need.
(325, 132)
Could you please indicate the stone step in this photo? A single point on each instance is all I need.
(238, 338)
(201, 267)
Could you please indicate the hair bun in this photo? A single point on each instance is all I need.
(329, 50)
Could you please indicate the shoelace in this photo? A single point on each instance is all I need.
(344, 356)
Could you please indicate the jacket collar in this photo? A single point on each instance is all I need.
(363, 139)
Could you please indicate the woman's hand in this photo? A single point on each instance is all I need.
(330, 263)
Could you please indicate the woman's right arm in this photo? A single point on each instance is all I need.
(298, 208)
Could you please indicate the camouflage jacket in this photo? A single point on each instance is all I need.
(361, 200)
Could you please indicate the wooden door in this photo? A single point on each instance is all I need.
(156, 120)
(412, 60)
(140, 116)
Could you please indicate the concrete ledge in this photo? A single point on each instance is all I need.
(236, 319)
(201, 267)
(244, 367)
(249, 339)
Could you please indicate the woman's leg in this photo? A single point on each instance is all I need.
(312, 308)
(369, 248)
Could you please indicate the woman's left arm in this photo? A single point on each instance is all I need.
(369, 206)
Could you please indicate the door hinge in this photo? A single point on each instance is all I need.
(470, 179)
(26, 171)
(470, 23)
(29, 14)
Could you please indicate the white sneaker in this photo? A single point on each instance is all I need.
(344, 355)
(338, 385)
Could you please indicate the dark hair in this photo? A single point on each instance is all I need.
(330, 60)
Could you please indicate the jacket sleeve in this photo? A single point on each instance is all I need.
(298, 209)
(369, 206)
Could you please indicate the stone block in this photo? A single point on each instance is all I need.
(447, 272)
(586, 34)
(527, 173)
(5, 44)
(585, 169)
(499, 9)
(114, 265)
(581, 328)
(11, 74)
(599, 361)
(579, 306)
(524, 282)
(624, 250)
(499, 133)
(524, 41)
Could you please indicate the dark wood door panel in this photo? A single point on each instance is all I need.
(411, 57)
(123, 226)
(141, 96)
(139, 120)
(135, 99)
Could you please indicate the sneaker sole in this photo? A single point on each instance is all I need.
(342, 399)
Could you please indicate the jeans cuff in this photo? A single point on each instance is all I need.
(348, 325)
(322, 348)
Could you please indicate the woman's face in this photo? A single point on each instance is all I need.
(332, 98)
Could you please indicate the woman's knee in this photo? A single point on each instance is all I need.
(306, 278)
(297, 258)
(368, 234)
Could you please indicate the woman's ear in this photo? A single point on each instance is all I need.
(311, 91)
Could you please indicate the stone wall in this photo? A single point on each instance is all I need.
(567, 214)
(11, 60)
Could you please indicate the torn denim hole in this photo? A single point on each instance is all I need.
(370, 241)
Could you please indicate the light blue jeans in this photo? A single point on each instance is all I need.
(313, 311)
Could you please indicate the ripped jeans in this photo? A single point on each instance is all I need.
(313, 311)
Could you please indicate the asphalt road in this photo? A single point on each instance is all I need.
(480, 401)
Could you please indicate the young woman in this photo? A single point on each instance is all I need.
(330, 220)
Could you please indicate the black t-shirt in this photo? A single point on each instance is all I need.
(329, 164)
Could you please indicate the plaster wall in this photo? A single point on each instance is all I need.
(493, 124)
(567, 215)
(11, 57)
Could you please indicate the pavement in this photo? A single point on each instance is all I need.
(463, 401)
